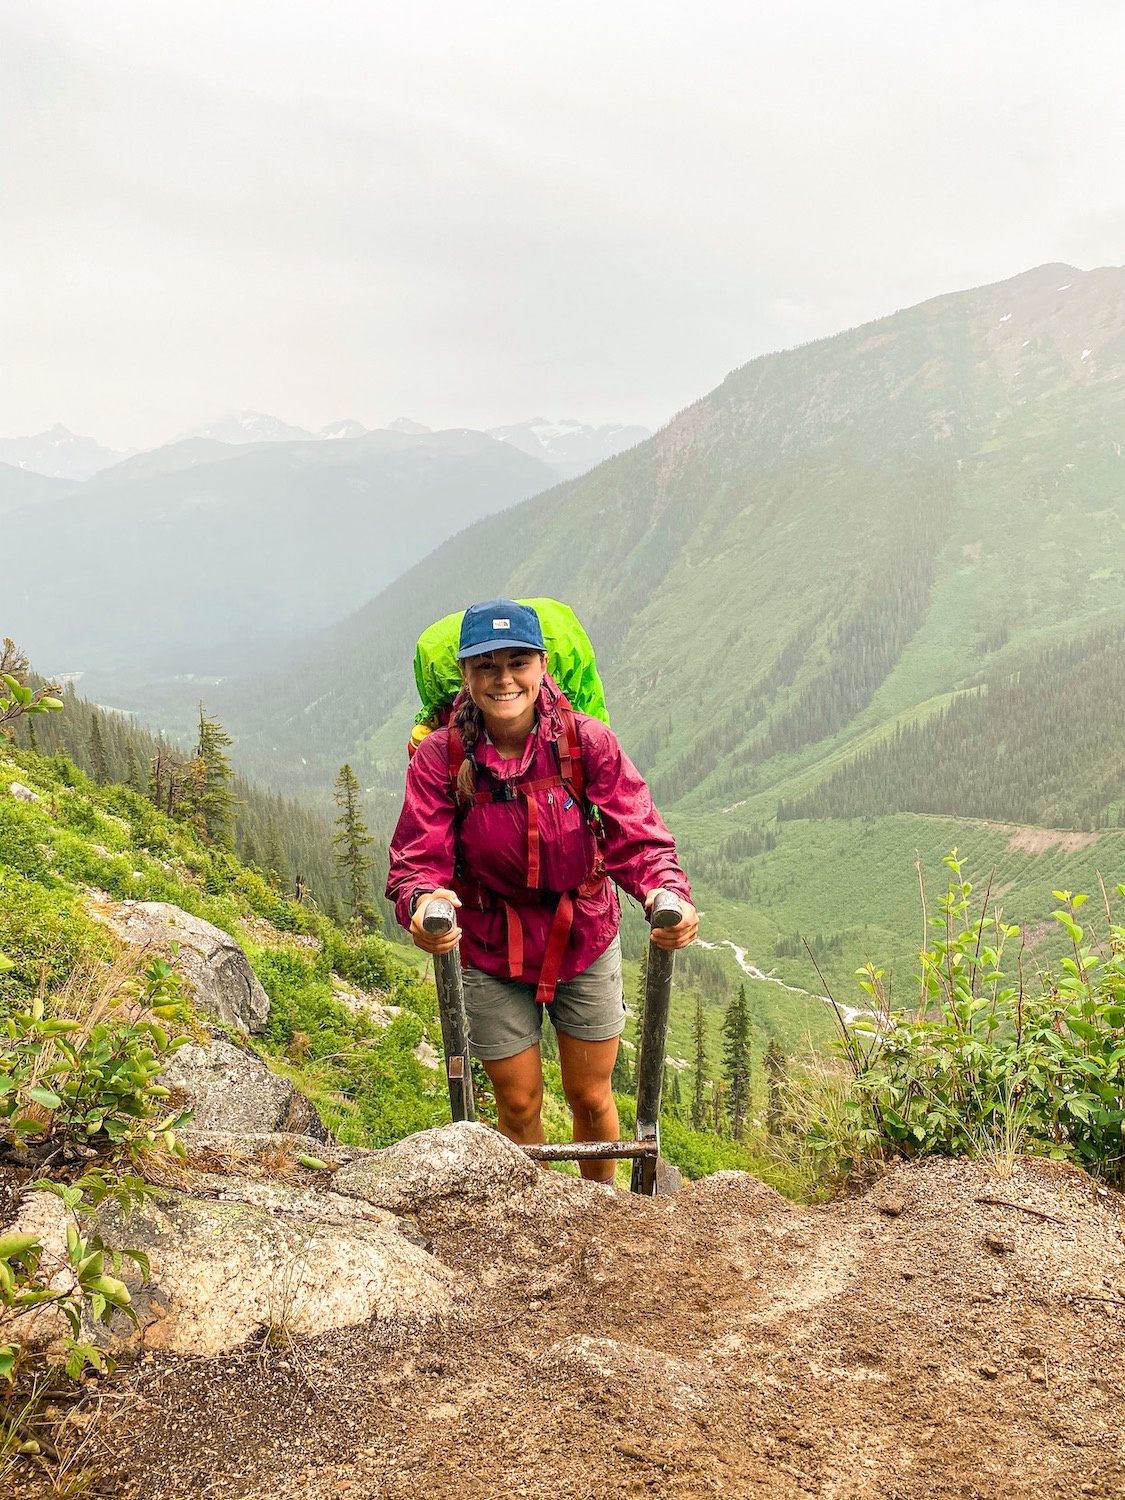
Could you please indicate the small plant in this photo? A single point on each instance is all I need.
(94, 1080)
(85, 1277)
(16, 698)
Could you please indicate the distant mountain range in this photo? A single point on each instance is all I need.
(58, 454)
(208, 558)
(570, 448)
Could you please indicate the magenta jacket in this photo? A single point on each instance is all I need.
(639, 852)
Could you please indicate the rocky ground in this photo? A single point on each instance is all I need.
(948, 1334)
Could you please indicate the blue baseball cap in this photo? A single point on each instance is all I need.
(498, 623)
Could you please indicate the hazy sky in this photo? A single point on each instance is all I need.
(472, 213)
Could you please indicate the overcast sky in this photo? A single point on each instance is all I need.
(471, 213)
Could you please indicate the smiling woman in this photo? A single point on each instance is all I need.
(521, 812)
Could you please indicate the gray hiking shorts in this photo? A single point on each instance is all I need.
(505, 1018)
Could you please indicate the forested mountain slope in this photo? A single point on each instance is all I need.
(879, 576)
(836, 537)
(196, 557)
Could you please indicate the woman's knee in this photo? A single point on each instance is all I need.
(588, 1096)
(520, 1103)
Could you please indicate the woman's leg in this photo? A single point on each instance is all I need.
(586, 1071)
(518, 1082)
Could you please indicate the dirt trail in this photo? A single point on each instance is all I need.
(911, 1344)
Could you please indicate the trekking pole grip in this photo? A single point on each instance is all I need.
(439, 916)
(666, 910)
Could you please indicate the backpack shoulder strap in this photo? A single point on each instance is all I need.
(457, 759)
(568, 747)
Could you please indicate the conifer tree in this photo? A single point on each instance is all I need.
(621, 1080)
(699, 1040)
(250, 855)
(132, 768)
(275, 865)
(774, 1063)
(99, 765)
(736, 1061)
(214, 799)
(353, 863)
(718, 1098)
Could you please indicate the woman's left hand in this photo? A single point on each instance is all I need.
(685, 929)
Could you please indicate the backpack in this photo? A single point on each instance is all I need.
(570, 661)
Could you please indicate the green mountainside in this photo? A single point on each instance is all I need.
(807, 592)
(204, 558)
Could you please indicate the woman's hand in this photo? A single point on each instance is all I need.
(685, 929)
(435, 942)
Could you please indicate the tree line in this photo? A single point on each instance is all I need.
(1038, 742)
(297, 848)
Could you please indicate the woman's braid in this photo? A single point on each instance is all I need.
(470, 721)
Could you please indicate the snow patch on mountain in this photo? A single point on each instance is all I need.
(58, 453)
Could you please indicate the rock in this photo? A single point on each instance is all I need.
(232, 1090)
(23, 793)
(227, 1271)
(264, 1147)
(999, 1244)
(461, 1160)
(990, 1372)
(218, 973)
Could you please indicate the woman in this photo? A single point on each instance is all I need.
(499, 819)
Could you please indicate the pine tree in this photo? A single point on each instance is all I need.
(99, 765)
(736, 1061)
(699, 1039)
(774, 1063)
(274, 862)
(250, 855)
(718, 1098)
(132, 768)
(214, 801)
(621, 1081)
(353, 863)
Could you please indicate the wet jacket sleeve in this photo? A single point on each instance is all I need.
(640, 853)
(422, 847)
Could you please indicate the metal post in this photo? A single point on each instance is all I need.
(440, 917)
(665, 912)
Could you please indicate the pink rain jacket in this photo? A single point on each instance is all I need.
(490, 846)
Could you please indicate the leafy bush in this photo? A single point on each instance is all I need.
(31, 1277)
(92, 1076)
(987, 1064)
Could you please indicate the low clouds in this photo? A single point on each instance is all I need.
(474, 215)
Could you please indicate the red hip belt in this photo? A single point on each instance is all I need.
(479, 898)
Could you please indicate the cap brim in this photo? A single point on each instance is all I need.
(486, 646)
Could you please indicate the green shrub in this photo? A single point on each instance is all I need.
(987, 1064)
(85, 1068)
(85, 1277)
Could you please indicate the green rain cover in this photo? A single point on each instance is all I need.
(570, 661)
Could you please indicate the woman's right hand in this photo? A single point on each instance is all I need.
(434, 942)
